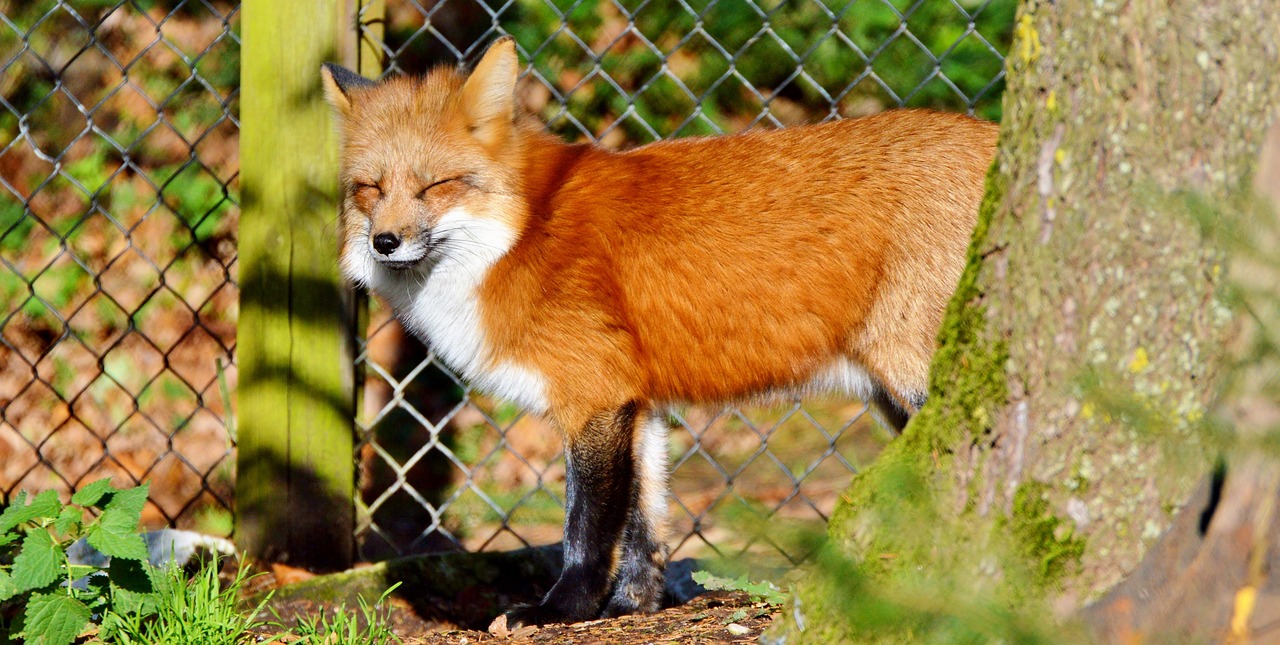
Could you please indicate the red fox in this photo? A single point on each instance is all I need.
(596, 287)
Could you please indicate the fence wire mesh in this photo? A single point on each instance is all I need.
(118, 212)
(119, 209)
(443, 467)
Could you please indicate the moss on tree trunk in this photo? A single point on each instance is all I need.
(1081, 350)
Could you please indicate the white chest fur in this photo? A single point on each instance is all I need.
(441, 304)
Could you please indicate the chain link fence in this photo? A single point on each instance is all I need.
(445, 467)
(119, 210)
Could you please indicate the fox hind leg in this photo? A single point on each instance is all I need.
(891, 411)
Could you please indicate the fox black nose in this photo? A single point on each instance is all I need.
(386, 243)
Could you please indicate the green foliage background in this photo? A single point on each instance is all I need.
(707, 67)
(677, 68)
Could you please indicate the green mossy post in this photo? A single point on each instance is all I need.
(1084, 344)
(296, 391)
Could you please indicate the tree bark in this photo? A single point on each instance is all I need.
(1215, 574)
(1082, 352)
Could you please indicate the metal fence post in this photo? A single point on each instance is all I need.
(295, 481)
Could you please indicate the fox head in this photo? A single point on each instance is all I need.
(428, 166)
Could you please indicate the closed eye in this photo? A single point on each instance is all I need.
(423, 193)
(366, 194)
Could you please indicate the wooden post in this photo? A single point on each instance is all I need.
(295, 474)
(371, 16)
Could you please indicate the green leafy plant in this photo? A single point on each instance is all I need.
(371, 625)
(54, 599)
(763, 591)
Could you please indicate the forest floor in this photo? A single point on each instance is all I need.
(714, 617)
(454, 599)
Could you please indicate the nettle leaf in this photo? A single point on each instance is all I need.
(764, 590)
(115, 532)
(133, 588)
(117, 538)
(129, 500)
(16, 505)
(89, 495)
(712, 582)
(69, 518)
(45, 504)
(97, 592)
(38, 563)
(54, 619)
(98, 582)
(7, 587)
(8, 517)
(126, 602)
(77, 571)
(132, 575)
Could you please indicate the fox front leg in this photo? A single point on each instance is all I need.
(601, 490)
(640, 582)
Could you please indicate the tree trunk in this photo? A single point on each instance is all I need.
(1082, 351)
(1215, 575)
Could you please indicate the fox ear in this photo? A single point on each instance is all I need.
(339, 84)
(489, 94)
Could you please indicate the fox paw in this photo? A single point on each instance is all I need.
(528, 615)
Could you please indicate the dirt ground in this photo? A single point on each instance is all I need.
(454, 599)
(714, 617)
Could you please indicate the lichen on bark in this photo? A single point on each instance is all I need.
(1091, 292)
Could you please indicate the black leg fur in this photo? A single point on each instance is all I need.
(600, 474)
(640, 580)
(890, 411)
